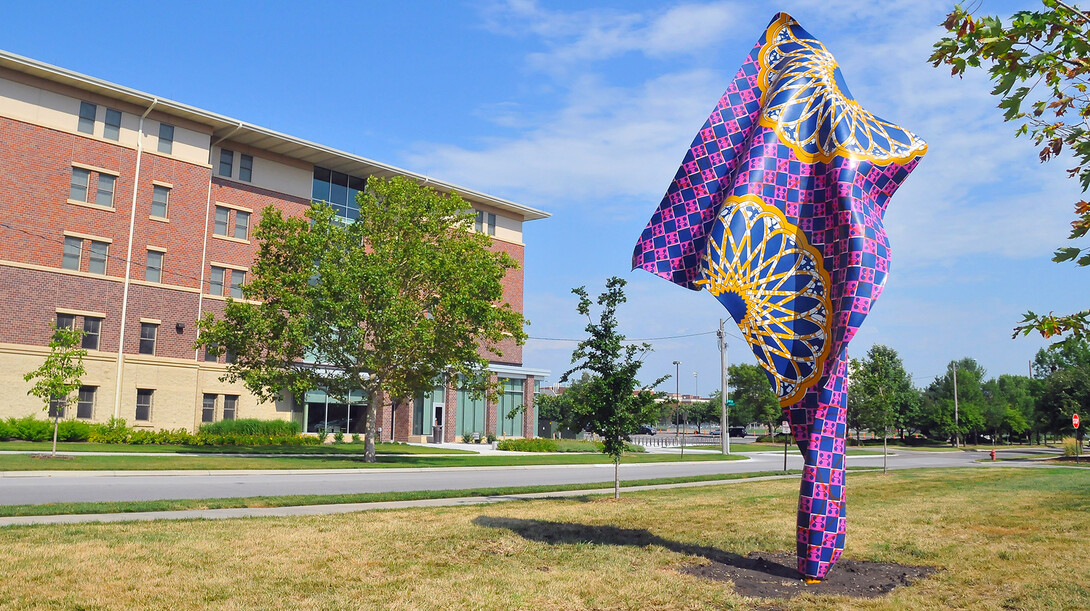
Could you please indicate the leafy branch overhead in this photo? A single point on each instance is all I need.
(1039, 62)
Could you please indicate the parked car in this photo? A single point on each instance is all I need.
(715, 432)
(645, 429)
(737, 431)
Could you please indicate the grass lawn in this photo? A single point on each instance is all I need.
(152, 462)
(341, 448)
(999, 537)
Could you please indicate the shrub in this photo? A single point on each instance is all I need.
(252, 426)
(1071, 446)
(538, 444)
(30, 428)
(338, 437)
(114, 431)
(467, 437)
(6, 432)
(491, 437)
(73, 430)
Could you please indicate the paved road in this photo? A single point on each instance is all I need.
(19, 489)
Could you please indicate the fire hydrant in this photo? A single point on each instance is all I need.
(993, 454)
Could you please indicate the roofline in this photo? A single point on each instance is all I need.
(219, 122)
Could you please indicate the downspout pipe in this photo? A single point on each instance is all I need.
(128, 260)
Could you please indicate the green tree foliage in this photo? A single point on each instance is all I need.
(388, 304)
(1064, 393)
(614, 403)
(1008, 405)
(560, 409)
(1039, 62)
(753, 398)
(59, 376)
(937, 414)
(881, 392)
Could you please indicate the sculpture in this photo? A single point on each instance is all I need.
(777, 211)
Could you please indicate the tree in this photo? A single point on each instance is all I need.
(60, 375)
(1008, 406)
(390, 304)
(1065, 392)
(1064, 355)
(560, 408)
(753, 396)
(1039, 64)
(615, 403)
(954, 419)
(882, 391)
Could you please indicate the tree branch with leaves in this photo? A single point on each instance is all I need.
(60, 375)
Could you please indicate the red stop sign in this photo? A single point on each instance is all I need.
(1075, 420)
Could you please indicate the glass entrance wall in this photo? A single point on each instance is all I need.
(471, 414)
(509, 401)
(424, 411)
(333, 415)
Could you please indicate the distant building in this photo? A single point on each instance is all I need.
(130, 216)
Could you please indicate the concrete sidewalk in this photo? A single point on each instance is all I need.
(310, 510)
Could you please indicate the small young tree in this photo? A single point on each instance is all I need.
(404, 296)
(614, 403)
(883, 392)
(60, 374)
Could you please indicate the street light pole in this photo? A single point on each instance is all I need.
(677, 397)
(724, 421)
(957, 426)
(696, 397)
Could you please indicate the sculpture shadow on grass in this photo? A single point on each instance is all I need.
(562, 533)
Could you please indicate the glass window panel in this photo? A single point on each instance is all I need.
(143, 404)
(220, 225)
(97, 261)
(216, 281)
(91, 331)
(154, 270)
(105, 195)
(211, 354)
(242, 224)
(148, 331)
(112, 130)
(73, 247)
(166, 138)
(245, 167)
(78, 190)
(208, 408)
(66, 321)
(320, 188)
(230, 406)
(491, 224)
(238, 278)
(160, 199)
(87, 112)
(338, 190)
(227, 161)
(85, 405)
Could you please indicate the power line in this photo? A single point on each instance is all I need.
(641, 339)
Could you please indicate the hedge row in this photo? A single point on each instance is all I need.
(116, 431)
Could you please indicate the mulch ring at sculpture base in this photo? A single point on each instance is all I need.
(773, 575)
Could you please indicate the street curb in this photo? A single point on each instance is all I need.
(331, 509)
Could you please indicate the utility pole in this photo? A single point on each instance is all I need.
(677, 396)
(957, 426)
(724, 429)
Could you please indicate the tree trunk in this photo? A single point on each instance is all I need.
(56, 418)
(616, 477)
(885, 451)
(369, 427)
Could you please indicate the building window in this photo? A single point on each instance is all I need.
(227, 161)
(242, 224)
(229, 356)
(66, 321)
(230, 405)
(215, 283)
(148, 331)
(73, 248)
(238, 278)
(105, 194)
(97, 261)
(153, 272)
(143, 404)
(85, 405)
(92, 328)
(245, 167)
(87, 112)
(80, 179)
(339, 191)
(211, 354)
(56, 407)
(223, 217)
(160, 198)
(208, 408)
(112, 130)
(166, 138)
(486, 222)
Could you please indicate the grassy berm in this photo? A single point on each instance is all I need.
(998, 538)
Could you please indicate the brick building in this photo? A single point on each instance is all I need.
(129, 216)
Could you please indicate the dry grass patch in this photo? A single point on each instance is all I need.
(998, 537)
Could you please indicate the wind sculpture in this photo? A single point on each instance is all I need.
(777, 211)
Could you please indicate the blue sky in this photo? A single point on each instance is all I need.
(585, 109)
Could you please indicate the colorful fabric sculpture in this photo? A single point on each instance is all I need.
(777, 211)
